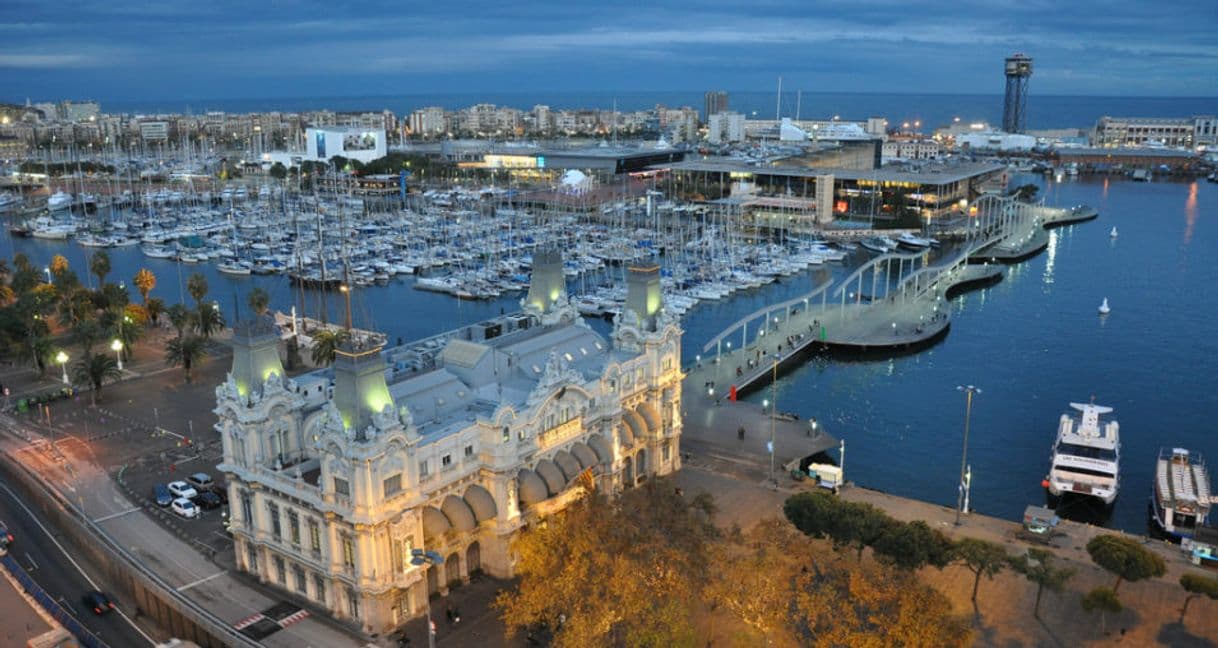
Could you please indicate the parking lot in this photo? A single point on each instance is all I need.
(207, 531)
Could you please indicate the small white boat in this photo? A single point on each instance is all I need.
(59, 201)
(1104, 309)
(908, 240)
(1113, 233)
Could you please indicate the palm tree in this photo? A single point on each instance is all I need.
(100, 266)
(258, 301)
(127, 330)
(59, 265)
(208, 319)
(145, 281)
(155, 307)
(185, 352)
(326, 343)
(181, 317)
(196, 285)
(88, 333)
(75, 307)
(94, 369)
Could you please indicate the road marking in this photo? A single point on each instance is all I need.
(201, 581)
(114, 515)
(248, 621)
(33, 565)
(293, 618)
(69, 557)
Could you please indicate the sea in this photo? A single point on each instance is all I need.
(1032, 343)
(929, 110)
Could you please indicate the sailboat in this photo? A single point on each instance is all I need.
(1113, 233)
(1104, 310)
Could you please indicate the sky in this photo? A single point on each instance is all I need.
(217, 49)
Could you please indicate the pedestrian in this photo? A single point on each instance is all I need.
(740, 433)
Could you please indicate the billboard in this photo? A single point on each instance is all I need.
(365, 141)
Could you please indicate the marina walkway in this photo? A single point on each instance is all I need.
(893, 301)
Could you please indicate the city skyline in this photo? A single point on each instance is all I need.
(127, 50)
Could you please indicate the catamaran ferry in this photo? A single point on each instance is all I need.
(1086, 457)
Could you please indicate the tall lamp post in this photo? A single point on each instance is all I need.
(773, 403)
(62, 359)
(962, 495)
(117, 347)
(418, 558)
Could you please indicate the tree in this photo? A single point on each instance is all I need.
(75, 307)
(128, 330)
(144, 281)
(278, 171)
(88, 333)
(981, 557)
(94, 369)
(1125, 557)
(1037, 566)
(326, 343)
(185, 352)
(613, 572)
(154, 307)
(180, 317)
(1025, 193)
(196, 285)
(1197, 585)
(100, 265)
(821, 515)
(913, 545)
(1102, 600)
(58, 265)
(258, 301)
(208, 319)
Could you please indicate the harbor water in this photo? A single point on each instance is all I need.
(1033, 343)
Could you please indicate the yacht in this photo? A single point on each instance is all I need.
(881, 244)
(8, 201)
(45, 228)
(59, 201)
(909, 241)
(234, 267)
(1182, 498)
(1086, 456)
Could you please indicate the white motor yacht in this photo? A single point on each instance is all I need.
(881, 244)
(59, 201)
(909, 241)
(1086, 456)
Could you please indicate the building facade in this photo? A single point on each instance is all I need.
(1185, 132)
(725, 127)
(457, 444)
(714, 102)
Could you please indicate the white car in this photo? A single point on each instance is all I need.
(182, 489)
(185, 508)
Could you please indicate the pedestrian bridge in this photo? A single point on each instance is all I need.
(892, 301)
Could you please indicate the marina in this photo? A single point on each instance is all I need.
(844, 392)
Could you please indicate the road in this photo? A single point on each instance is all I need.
(50, 565)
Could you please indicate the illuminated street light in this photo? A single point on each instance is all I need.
(62, 359)
(47, 270)
(965, 473)
(117, 347)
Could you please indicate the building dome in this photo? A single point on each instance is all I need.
(435, 524)
(604, 452)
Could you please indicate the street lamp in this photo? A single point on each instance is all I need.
(418, 558)
(62, 359)
(117, 347)
(962, 495)
(47, 269)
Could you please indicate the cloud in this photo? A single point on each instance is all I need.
(46, 61)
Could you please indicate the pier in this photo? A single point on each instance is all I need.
(892, 302)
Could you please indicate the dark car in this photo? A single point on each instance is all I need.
(97, 601)
(162, 495)
(208, 500)
(6, 539)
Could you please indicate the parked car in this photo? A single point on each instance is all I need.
(6, 539)
(97, 601)
(185, 508)
(162, 495)
(182, 489)
(209, 500)
(201, 481)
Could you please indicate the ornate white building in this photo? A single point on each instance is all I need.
(454, 446)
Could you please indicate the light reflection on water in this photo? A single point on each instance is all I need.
(1051, 256)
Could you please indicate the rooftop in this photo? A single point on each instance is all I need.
(931, 174)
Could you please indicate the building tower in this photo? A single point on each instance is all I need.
(1015, 108)
(714, 102)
